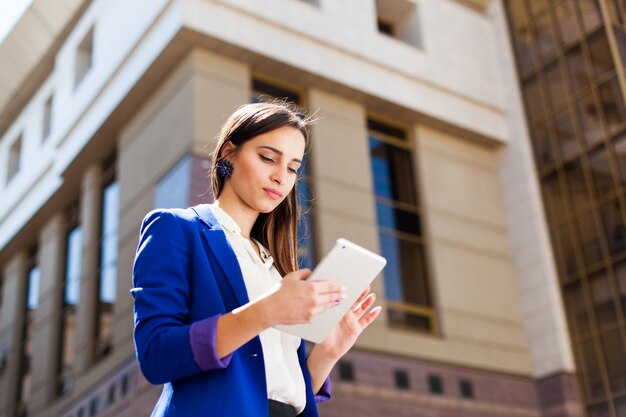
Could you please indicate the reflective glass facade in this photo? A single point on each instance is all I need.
(570, 60)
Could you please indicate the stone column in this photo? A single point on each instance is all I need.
(11, 331)
(90, 221)
(47, 322)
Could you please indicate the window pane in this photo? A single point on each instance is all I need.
(620, 406)
(592, 376)
(110, 223)
(556, 85)
(620, 38)
(578, 74)
(590, 12)
(73, 266)
(577, 186)
(599, 410)
(34, 276)
(565, 136)
(393, 172)
(544, 31)
(578, 314)
(398, 219)
(601, 172)
(590, 120)
(532, 99)
(405, 274)
(554, 199)
(590, 241)
(603, 304)
(601, 59)
(567, 21)
(613, 106)
(619, 147)
(614, 358)
(544, 156)
(620, 277)
(565, 251)
(613, 222)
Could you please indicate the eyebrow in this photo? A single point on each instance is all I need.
(278, 152)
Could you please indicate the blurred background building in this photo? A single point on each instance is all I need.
(423, 151)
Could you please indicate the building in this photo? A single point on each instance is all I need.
(570, 58)
(421, 152)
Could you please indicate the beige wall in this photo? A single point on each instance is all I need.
(471, 264)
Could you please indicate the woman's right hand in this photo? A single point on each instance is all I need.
(297, 301)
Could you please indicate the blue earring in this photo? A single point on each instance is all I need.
(224, 168)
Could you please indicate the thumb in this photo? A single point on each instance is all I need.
(299, 275)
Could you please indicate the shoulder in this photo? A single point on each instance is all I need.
(170, 218)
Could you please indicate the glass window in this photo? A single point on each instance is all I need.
(599, 410)
(614, 355)
(576, 307)
(590, 13)
(556, 85)
(546, 37)
(615, 11)
(84, 58)
(613, 106)
(601, 59)
(70, 306)
(577, 185)
(15, 156)
(590, 119)
(620, 38)
(400, 232)
(578, 74)
(544, 156)
(614, 229)
(523, 36)
(47, 118)
(532, 98)
(564, 135)
(589, 239)
(554, 199)
(592, 375)
(565, 251)
(619, 147)
(620, 277)
(620, 406)
(600, 168)
(567, 21)
(108, 266)
(305, 224)
(602, 297)
(172, 190)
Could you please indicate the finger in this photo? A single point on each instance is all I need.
(328, 287)
(365, 304)
(299, 275)
(370, 317)
(361, 297)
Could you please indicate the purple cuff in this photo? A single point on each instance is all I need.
(202, 340)
(323, 394)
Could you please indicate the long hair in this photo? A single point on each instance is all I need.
(277, 230)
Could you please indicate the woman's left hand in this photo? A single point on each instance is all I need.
(341, 339)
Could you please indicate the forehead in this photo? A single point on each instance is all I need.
(287, 139)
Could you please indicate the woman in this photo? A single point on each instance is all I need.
(211, 281)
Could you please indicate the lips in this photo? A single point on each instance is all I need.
(273, 193)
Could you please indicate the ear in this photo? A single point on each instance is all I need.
(227, 149)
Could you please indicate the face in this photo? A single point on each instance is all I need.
(265, 168)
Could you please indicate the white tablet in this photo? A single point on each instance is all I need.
(350, 265)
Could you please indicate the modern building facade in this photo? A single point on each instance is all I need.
(571, 57)
(420, 151)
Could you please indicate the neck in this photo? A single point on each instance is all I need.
(242, 214)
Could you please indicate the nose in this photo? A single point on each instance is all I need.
(279, 175)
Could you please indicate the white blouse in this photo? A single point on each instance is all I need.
(285, 382)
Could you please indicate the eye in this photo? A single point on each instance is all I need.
(266, 159)
(294, 171)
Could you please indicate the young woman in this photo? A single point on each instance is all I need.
(211, 282)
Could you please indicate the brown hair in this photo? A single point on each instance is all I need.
(277, 230)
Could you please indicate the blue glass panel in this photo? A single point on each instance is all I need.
(108, 254)
(34, 276)
(398, 219)
(73, 266)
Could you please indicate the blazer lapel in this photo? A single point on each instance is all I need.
(216, 238)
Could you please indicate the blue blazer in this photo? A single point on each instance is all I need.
(185, 273)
